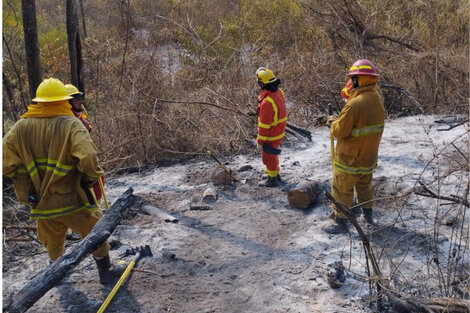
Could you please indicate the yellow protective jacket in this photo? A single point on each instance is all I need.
(49, 157)
(359, 128)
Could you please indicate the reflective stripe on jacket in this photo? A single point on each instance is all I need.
(359, 129)
(272, 117)
(48, 157)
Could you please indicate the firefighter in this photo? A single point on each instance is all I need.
(77, 108)
(77, 105)
(358, 130)
(272, 120)
(52, 160)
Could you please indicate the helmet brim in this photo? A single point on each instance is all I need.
(51, 99)
(363, 74)
(77, 94)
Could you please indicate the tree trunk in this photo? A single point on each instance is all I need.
(159, 213)
(31, 45)
(82, 11)
(7, 85)
(303, 195)
(48, 278)
(220, 177)
(75, 46)
(209, 195)
(411, 304)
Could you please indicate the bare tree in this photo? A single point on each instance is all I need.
(75, 46)
(30, 29)
(82, 11)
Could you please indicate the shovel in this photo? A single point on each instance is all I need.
(138, 252)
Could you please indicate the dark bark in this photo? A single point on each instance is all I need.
(303, 195)
(18, 75)
(48, 278)
(7, 85)
(411, 304)
(75, 46)
(300, 130)
(31, 45)
(82, 11)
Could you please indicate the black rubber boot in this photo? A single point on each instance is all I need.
(357, 211)
(270, 182)
(367, 215)
(278, 177)
(337, 226)
(108, 273)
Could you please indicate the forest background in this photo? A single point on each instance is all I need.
(167, 80)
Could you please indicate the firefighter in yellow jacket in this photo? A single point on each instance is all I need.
(358, 130)
(52, 160)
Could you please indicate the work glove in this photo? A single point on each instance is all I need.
(259, 147)
(331, 119)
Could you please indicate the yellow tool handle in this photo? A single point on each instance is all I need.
(116, 287)
(104, 194)
(84, 110)
(94, 197)
(332, 140)
(332, 144)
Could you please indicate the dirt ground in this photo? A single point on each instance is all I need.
(251, 252)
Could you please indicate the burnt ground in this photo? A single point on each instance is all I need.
(252, 252)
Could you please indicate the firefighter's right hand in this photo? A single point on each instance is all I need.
(259, 147)
(330, 120)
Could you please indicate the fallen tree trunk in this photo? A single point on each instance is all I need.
(221, 177)
(300, 130)
(303, 195)
(159, 213)
(49, 277)
(411, 304)
(209, 195)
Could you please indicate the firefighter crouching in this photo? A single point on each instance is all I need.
(358, 130)
(272, 120)
(52, 160)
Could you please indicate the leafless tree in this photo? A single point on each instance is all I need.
(30, 29)
(75, 46)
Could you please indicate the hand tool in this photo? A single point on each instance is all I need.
(90, 193)
(138, 252)
(332, 141)
(104, 193)
(266, 148)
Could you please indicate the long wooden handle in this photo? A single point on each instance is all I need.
(332, 140)
(104, 194)
(116, 287)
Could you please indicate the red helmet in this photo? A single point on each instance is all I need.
(363, 67)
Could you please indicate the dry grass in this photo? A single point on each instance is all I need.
(200, 56)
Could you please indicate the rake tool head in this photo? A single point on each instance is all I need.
(144, 251)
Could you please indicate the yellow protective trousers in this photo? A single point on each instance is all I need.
(51, 232)
(345, 185)
(271, 162)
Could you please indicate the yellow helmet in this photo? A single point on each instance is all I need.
(72, 90)
(265, 75)
(51, 90)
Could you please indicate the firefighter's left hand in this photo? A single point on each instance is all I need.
(331, 119)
